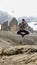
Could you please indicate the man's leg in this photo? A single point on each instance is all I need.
(26, 32)
(20, 33)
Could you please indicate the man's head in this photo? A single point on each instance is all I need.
(23, 21)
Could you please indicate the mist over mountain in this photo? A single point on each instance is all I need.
(28, 19)
(4, 16)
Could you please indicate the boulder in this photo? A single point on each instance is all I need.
(4, 26)
(13, 25)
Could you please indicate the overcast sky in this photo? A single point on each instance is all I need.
(19, 7)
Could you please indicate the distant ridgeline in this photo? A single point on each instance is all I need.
(13, 26)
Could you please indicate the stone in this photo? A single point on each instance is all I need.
(13, 25)
(4, 26)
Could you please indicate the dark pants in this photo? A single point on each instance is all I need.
(24, 31)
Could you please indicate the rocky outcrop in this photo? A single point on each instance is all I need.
(19, 50)
(13, 26)
(4, 26)
(18, 55)
(21, 53)
(30, 29)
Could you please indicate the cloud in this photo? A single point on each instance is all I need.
(20, 7)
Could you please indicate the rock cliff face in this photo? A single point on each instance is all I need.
(4, 26)
(29, 29)
(13, 26)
